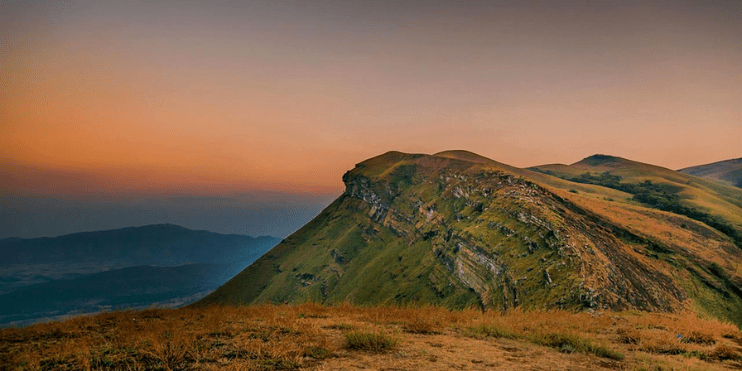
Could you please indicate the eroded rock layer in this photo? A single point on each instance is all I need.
(462, 231)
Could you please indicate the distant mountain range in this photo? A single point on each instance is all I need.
(161, 244)
(134, 267)
(728, 172)
(459, 230)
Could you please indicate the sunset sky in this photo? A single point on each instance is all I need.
(141, 100)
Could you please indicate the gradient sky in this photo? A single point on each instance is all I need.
(137, 99)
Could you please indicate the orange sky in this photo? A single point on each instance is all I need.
(164, 97)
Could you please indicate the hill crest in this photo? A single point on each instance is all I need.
(457, 229)
(727, 172)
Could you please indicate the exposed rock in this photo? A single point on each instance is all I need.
(448, 231)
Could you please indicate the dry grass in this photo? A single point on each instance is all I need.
(257, 337)
(370, 341)
(267, 337)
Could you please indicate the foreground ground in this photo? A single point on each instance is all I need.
(384, 338)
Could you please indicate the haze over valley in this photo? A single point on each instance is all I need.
(137, 267)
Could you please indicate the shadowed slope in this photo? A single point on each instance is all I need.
(728, 172)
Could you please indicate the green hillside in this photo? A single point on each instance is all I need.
(459, 230)
(714, 204)
(728, 172)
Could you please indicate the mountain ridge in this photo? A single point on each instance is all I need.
(727, 172)
(457, 229)
(173, 247)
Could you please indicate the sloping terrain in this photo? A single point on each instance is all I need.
(704, 195)
(728, 172)
(460, 230)
(344, 337)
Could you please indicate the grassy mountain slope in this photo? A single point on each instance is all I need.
(705, 195)
(458, 229)
(728, 172)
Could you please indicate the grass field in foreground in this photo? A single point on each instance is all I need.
(310, 336)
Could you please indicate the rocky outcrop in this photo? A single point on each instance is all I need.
(598, 274)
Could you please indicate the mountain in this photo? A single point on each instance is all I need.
(459, 230)
(728, 172)
(131, 287)
(122, 268)
(160, 244)
(716, 205)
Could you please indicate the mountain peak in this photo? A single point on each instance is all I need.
(600, 159)
(464, 155)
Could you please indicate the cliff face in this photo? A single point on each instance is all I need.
(456, 232)
(510, 241)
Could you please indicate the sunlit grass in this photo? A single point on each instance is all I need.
(271, 337)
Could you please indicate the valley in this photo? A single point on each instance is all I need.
(83, 273)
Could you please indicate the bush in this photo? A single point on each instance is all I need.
(698, 337)
(421, 326)
(628, 336)
(491, 330)
(317, 352)
(604, 352)
(566, 343)
(370, 341)
(342, 327)
(569, 343)
(723, 352)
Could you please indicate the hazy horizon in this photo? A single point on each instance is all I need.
(119, 106)
(255, 213)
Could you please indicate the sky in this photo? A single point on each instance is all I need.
(127, 113)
